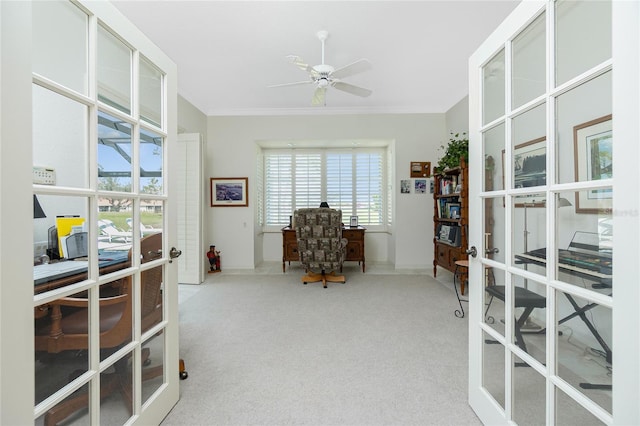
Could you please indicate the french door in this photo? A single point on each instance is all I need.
(100, 111)
(550, 341)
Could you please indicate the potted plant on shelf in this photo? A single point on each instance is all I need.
(457, 148)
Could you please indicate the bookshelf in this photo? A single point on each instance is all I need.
(450, 215)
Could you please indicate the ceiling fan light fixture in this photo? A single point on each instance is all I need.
(325, 75)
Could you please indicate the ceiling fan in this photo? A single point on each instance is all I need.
(324, 76)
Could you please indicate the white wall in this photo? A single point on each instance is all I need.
(457, 118)
(231, 152)
(191, 119)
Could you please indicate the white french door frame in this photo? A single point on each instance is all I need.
(16, 220)
(626, 208)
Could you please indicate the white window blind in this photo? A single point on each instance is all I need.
(369, 188)
(278, 187)
(351, 180)
(340, 182)
(308, 181)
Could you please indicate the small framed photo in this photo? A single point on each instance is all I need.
(405, 186)
(353, 222)
(420, 186)
(229, 192)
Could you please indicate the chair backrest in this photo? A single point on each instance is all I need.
(319, 236)
(151, 309)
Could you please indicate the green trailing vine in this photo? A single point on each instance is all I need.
(458, 147)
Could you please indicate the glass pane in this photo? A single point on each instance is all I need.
(584, 347)
(529, 394)
(60, 139)
(581, 46)
(150, 93)
(152, 365)
(494, 217)
(116, 312)
(114, 71)
(529, 232)
(585, 241)
(493, 140)
(529, 303)
(569, 412)
(115, 384)
(114, 234)
(493, 89)
(61, 343)
(59, 237)
(151, 159)
(80, 416)
(151, 219)
(493, 368)
(114, 154)
(584, 131)
(493, 302)
(60, 43)
(151, 305)
(530, 148)
(528, 65)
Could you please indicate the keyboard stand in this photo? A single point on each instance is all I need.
(580, 311)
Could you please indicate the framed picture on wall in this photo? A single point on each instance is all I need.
(593, 143)
(529, 169)
(229, 192)
(405, 186)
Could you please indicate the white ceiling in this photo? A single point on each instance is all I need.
(228, 52)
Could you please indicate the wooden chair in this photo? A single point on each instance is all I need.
(70, 331)
(321, 247)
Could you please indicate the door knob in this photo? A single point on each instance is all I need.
(173, 253)
(492, 251)
(472, 251)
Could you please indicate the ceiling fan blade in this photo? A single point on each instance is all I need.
(300, 63)
(297, 83)
(318, 96)
(350, 88)
(351, 69)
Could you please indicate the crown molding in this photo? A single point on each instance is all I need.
(319, 111)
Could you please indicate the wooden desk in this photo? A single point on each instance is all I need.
(49, 276)
(355, 245)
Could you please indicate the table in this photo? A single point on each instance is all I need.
(355, 245)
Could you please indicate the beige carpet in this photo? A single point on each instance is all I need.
(263, 349)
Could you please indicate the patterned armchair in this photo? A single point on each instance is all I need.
(320, 244)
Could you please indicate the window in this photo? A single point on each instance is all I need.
(351, 180)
